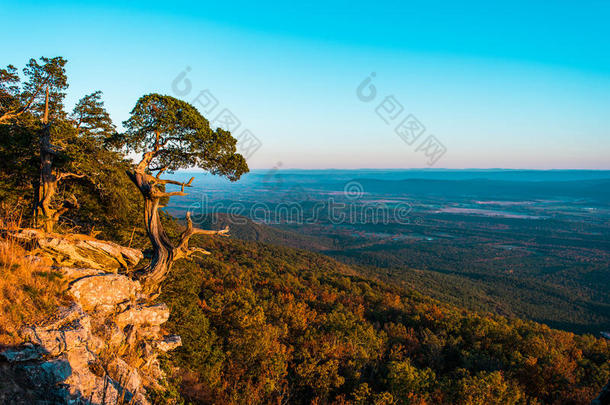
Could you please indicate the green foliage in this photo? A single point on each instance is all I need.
(21, 113)
(49, 75)
(91, 118)
(107, 198)
(180, 137)
(486, 388)
(9, 89)
(90, 171)
(17, 98)
(404, 379)
(18, 165)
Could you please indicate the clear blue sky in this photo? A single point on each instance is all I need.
(512, 84)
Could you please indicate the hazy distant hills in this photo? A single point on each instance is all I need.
(598, 189)
(258, 176)
(482, 183)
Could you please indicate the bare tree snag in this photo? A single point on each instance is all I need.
(183, 250)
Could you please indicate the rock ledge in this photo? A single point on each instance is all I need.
(101, 349)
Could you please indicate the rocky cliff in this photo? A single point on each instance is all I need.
(104, 347)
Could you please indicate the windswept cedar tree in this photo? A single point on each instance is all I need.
(171, 134)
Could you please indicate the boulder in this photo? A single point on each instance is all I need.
(104, 291)
(48, 373)
(106, 392)
(26, 352)
(75, 357)
(82, 381)
(143, 315)
(74, 273)
(113, 335)
(71, 329)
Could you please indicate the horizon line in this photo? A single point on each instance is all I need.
(413, 168)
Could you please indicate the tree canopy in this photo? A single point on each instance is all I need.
(80, 171)
(173, 135)
(17, 98)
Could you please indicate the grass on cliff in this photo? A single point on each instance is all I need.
(29, 291)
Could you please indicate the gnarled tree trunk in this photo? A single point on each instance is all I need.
(49, 179)
(47, 184)
(164, 251)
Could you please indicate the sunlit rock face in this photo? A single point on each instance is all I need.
(101, 349)
(104, 291)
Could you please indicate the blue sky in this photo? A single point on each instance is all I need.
(514, 84)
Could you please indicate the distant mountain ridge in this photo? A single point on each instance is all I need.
(598, 189)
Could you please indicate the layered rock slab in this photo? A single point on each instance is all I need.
(75, 250)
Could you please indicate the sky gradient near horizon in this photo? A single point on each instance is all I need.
(513, 85)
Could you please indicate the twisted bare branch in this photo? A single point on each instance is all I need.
(183, 250)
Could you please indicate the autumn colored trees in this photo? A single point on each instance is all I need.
(275, 325)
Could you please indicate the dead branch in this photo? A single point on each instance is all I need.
(183, 250)
(68, 175)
